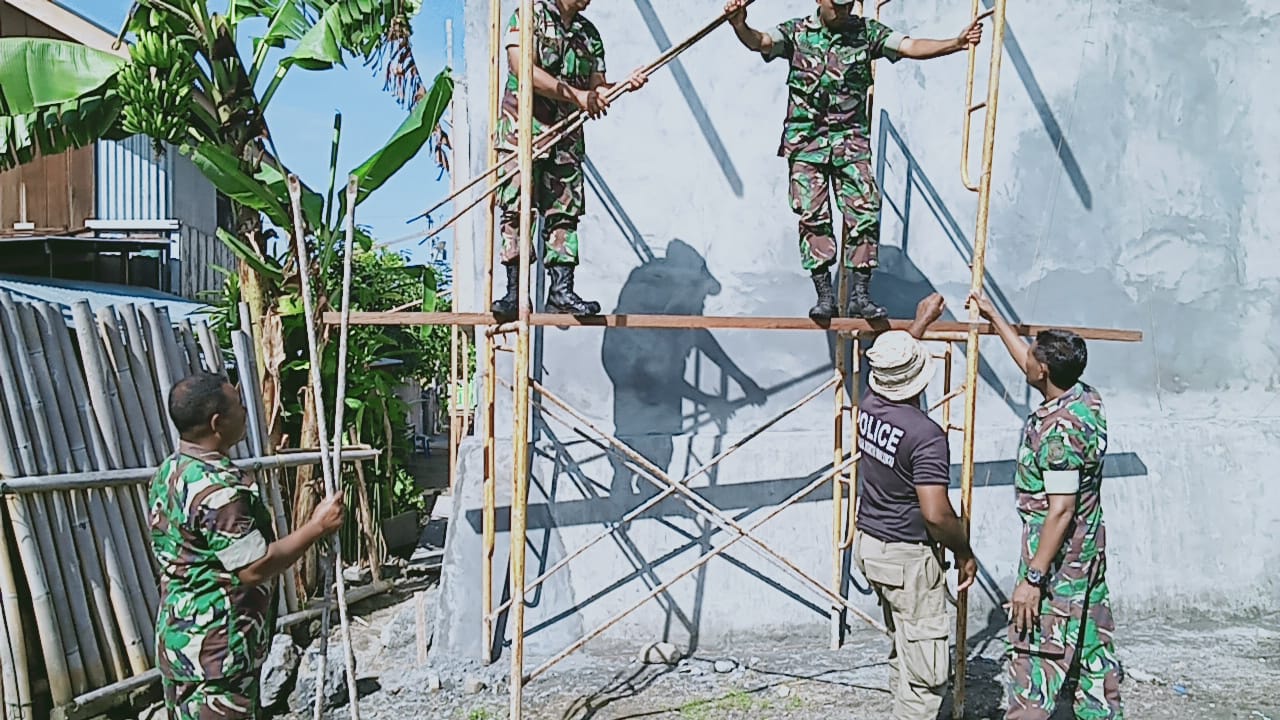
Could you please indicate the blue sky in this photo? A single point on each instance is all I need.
(301, 118)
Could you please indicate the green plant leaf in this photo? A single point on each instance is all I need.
(263, 266)
(224, 171)
(278, 186)
(408, 139)
(38, 73)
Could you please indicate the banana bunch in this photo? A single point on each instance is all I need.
(157, 85)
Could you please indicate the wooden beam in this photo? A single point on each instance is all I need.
(938, 331)
(70, 24)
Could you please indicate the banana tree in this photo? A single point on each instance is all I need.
(190, 82)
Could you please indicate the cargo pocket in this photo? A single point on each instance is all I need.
(925, 657)
(890, 575)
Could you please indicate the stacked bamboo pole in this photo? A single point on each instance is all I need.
(79, 406)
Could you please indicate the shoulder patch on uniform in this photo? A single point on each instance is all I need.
(1055, 450)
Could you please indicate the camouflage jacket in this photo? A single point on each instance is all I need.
(1064, 440)
(829, 78)
(571, 52)
(207, 523)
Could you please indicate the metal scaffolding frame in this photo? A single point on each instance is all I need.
(850, 333)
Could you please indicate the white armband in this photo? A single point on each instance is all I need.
(1061, 482)
(243, 552)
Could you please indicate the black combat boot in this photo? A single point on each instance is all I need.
(560, 295)
(507, 307)
(860, 305)
(825, 309)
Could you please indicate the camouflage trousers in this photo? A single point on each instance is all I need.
(222, 699)
(909, 582)
(1072, 644)
(558, 196)
(857, 199)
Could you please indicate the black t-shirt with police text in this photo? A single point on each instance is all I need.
(901, 448)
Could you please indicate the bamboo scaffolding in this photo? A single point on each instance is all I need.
(520, 410)
(327, 468)
(554, 134)
(978, 272)
(488, 514)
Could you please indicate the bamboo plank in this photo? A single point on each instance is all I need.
(61, 385)
(134, 423)
(132, 476)
(209, 345)
(114, 559)
(17, 673)
(48, 631)
(28, 394)
(711, 322)
(188, 336)
(84, 414)
(40, 385)
(156, 417)
(97, 593)
(166, 372)
(39, 513)
(120, 453)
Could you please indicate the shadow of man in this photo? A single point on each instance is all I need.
(647, 366)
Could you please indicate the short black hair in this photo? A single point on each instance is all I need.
(1064, 354)
(195, 399)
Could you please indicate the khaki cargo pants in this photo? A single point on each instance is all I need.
(909, 581)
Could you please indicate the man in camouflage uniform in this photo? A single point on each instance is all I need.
(825, 135)
(212, 534)
(568, 75)
(1061, 629)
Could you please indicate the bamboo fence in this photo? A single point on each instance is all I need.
(83, 427)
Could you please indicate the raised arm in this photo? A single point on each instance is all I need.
(928, 311)
(927, 49)
(750, 38)
(1014, 343)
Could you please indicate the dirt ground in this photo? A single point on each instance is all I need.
(1185, 671)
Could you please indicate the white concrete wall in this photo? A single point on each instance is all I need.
(1133, 155)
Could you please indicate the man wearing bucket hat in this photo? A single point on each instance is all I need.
(905, 514)
(825, 137)
(1061, 623)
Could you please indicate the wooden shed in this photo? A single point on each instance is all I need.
(113, 212)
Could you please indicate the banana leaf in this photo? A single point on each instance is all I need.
(264, 266)
(408, 139)
(37, 73)
(223, 170)
(356, 26)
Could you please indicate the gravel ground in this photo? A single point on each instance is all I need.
(1191, 670)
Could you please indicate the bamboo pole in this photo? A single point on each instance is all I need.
(24, 450)
(17, 692)
(188, 337)
(156, 417)
(99, 394)
(9, 466)
(96, 592)
(978, 267)
(122, 603)
(313, 349)
(166, 374)
(47, 622)
(97, 479)
(35, 412)
(84, 413)
(214, 361)
(837, 487)
(63, 573)
(520, 433)
(488, 511)
(127, 387)
(60, 385)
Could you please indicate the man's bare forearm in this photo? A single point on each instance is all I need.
(948, 531)
(751, 38)
(927, 49)
(544, 83)
(1013, 342)
(1052, 535)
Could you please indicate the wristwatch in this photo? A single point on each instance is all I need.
(1035, 577)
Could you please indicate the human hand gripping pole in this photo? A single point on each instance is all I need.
(553, 135)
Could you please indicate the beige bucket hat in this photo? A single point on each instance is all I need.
(901, 366)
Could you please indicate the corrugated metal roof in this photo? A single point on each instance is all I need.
(64, 293)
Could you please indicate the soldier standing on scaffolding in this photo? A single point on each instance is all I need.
(568, 75)
(826, 133)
